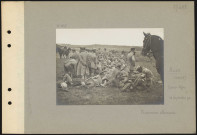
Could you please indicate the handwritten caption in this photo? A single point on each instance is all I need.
(157, 112)
(61, 25)
(187, 98)
(176, 87)
(179, 7)
(180, 79)
(177, 74)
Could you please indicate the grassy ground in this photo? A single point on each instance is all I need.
(110, 96)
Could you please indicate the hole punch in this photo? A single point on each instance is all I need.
(9, 103)
(9, 45)
(9, 89)
(9, 31)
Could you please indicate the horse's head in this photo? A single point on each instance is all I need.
(68, 50)
(146, 44)
(65, 47)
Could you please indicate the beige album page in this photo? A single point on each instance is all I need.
(98, 67)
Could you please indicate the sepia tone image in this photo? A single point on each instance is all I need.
(110, 66)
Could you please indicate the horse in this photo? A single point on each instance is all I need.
(67, 51)
(155, 45)
(63, 50)
(60, 50)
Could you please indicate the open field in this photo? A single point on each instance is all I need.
(110, 95)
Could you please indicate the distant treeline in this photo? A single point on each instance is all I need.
(108, 47)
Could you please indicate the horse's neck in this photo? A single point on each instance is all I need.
(67, 52)
(156, 46)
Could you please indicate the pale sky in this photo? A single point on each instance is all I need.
(106, 36)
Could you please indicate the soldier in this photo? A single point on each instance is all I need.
(131, 60)
(92, 62)
(113, 77)
(147, 78)
(67, 79)
(105, 53)
(123, 55)
(75, 55)
(142, 78)
(82, 69)
(94, 81)
(124, 76)
(98, 67)
(70, 66)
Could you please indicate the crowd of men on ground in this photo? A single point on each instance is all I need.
(105, 68)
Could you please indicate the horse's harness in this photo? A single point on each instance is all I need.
(147, 44)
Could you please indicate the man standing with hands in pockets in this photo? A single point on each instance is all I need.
(131, 60)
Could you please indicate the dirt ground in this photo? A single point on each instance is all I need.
(79, 95)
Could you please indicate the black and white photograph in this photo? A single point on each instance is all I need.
(110, 66)
(98, 67)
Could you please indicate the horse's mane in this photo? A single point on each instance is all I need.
(156, 36)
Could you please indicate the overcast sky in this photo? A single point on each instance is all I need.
(107, 36)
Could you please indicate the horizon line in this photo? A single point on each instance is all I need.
(98, 44)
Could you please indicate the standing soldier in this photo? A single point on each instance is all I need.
(98, 67)
(105, 53)
(88, 60)
(131, 60)
(82, 64)
(93, 65)
(123, 55)
(75, 55)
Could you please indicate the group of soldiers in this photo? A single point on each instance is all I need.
(102, 68)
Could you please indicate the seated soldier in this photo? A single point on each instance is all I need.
(112, 77)
(67, 79)
(147, 76)
(141, 78)
(94, 81)
(124, 76)
(70, 66)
